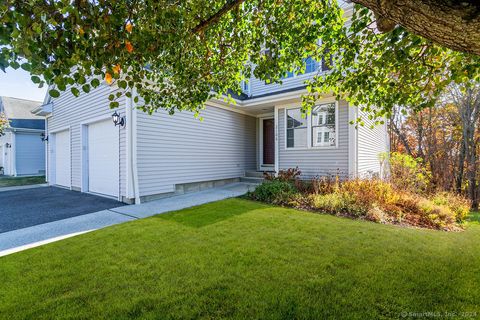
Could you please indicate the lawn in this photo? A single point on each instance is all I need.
(20, 181)
(242, 259)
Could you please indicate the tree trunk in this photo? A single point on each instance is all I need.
(453, 24)
(461, 167)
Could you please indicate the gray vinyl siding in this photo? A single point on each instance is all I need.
(181, 149)
(70, 111)
(259, 87)
(317, 161)
(371, 143)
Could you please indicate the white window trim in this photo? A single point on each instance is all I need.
(309, 129)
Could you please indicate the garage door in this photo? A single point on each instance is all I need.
(103, 159)
(30, 153)
(62, 158)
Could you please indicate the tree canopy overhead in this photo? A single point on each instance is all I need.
(179, 54)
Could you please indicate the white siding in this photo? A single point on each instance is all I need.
(181, 149)
(371, 143)
(317, 161)
(70, 111)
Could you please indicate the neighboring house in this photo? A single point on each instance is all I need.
(22, 147)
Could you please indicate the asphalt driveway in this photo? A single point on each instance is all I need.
(25, 208)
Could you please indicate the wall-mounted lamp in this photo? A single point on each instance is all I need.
(44, 137)
(8, 145)
(118, 120)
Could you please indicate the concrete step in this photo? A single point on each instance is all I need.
(254, 174)
(255, 180)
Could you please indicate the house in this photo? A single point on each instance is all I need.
(157, 155)
(22, 147)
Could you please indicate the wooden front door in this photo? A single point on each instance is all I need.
(268, 142)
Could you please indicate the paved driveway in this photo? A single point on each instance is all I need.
(30, 207)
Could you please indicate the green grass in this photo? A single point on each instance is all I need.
(241, 259)
(21, 181)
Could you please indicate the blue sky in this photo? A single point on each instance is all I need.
(17, 84)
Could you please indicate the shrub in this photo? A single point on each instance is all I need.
(274, 191)
(459, 205)
(408, 173)
(289, 175)
(339, 203)
(372, 199)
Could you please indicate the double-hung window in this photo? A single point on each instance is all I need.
(323, 125)
(297, 129)
(316, 130)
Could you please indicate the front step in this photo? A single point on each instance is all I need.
(254, 174)
(255, 180)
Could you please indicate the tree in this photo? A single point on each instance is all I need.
(177, 56)
(467, 100)
(443, 21)
(4, 123)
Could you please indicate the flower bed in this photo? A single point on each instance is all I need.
(370, 199)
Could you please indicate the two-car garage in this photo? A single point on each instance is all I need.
(94, 146)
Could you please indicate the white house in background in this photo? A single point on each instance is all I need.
(22, 147)
(158, 155)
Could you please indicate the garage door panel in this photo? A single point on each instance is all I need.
(62, 159)
(103, 158)
(30, 153)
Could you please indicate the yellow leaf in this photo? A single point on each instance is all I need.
(129, 27)
(116, 69)
(108, 78)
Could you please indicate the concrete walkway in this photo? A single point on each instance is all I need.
(22, 239)
(30, 186)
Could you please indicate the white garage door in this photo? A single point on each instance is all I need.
(62, 158)
(103, 159)
(30, 153)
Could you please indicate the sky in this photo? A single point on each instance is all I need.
(17, 84)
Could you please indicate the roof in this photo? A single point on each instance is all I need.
(15, 108)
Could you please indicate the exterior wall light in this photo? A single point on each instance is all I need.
(118, 120)
(44, 137)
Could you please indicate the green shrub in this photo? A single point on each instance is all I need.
(408, 173)
(274, 191)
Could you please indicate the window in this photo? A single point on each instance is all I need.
(323, 125)
(310, 65)
(327, 61)
(296, 129)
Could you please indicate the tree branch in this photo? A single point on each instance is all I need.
(227, 7)
(452, 24)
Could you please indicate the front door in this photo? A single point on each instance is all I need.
(268, 142)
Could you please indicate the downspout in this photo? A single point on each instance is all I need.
(132, 146)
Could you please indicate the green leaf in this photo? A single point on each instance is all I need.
(95, 82)
(36, 79)
(54, 93)
(75, 91)
(86, 88)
